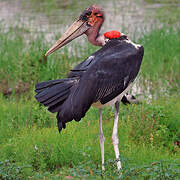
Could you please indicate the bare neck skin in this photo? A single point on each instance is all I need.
(93, 34)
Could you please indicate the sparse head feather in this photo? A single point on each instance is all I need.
(92, 10)
(96, 8)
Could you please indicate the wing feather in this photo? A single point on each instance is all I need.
(106, 76)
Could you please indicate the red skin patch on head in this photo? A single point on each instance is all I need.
(112, 34)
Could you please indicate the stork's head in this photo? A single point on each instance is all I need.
(92, 15)
(89, 23)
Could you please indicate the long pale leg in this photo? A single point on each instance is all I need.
(115, 139)
(101, 138)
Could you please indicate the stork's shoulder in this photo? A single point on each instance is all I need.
(124, 43)
(136, 46)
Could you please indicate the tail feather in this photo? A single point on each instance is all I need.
(56, 108)
(53, 93)
(42, 85)
(56, 99)
(60, 96)
(60, 124)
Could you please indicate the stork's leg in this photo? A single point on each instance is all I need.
(101, 138)
(115, 139)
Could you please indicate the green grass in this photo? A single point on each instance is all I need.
(30, 145)
(30, 139)
(168, 11)
(160, 69)
(24, 62)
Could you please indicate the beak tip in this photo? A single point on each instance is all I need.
(47, 53)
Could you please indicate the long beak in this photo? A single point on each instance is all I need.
(74, 31)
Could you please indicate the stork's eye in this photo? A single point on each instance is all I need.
(88, 13)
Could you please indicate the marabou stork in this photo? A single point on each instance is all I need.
(100, 80)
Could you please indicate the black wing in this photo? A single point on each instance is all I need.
(102, 77)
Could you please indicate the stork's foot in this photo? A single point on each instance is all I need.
(116, 150)
(103, 168)
(118, 164)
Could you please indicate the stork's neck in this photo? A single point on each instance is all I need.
(93, 34)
